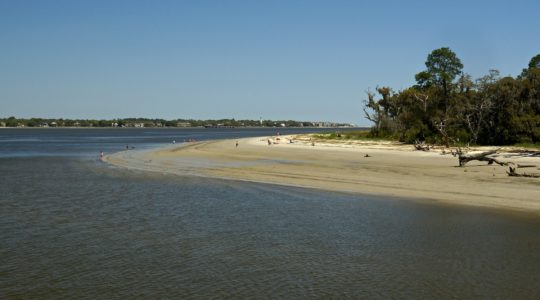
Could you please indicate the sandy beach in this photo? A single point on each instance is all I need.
(375, 168)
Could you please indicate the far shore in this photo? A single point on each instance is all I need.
(366, 167)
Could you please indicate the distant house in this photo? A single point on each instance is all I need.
(183, 124)
(54, 124)
(138, 125)
(2, 124)
(325, 124)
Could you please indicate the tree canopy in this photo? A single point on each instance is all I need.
(447, 106)
(442, 68)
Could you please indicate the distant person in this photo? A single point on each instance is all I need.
(101, 154)
(269, 142)
(127, 147)
(174, 141)
(236, 144)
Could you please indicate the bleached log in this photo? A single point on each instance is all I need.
(421, 146)
(512, 172)
(484, 156)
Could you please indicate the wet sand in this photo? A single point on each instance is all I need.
(390, 170)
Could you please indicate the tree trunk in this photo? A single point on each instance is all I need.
(484, 156)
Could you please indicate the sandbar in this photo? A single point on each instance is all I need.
(373, 168)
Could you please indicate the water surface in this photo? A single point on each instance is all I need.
(73, 227)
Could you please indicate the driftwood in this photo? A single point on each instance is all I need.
(421, 146)
(512, 172)
(484, 156)
(526, 166)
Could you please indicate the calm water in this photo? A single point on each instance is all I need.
(72, 227)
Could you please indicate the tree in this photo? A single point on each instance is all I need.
(447, 106)
(381, 112)
(377, 112)
(465, 83)
(480, 104)
(442, 68)
(12, 122)
(535, 62)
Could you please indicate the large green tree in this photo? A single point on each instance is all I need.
(535, 62)
(442, 67)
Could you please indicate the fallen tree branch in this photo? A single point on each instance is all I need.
(421, 146)
(512, 172)
(526, 166)
(484, 156)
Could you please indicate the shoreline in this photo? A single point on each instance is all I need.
(191, 127)
(391, 169)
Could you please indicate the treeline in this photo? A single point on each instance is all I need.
(145, 122)
(446, 106)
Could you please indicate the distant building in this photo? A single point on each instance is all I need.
(138, 125)
(183, 124)
(54, 124)
(2, 124)
(325, 124)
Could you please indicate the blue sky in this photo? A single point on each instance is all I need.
(302, 60)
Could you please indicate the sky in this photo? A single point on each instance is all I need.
(302, 60)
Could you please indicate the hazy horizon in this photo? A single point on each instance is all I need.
(299, 60)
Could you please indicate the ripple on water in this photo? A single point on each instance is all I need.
(73, 228)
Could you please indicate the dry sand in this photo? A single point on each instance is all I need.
(391, 170)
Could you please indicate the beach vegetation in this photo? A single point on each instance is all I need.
(447, 106)
(362, 135)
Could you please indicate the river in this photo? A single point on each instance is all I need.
(74, 227)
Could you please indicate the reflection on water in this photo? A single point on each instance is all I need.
(77, 228)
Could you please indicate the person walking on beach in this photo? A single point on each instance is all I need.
(236, 144)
